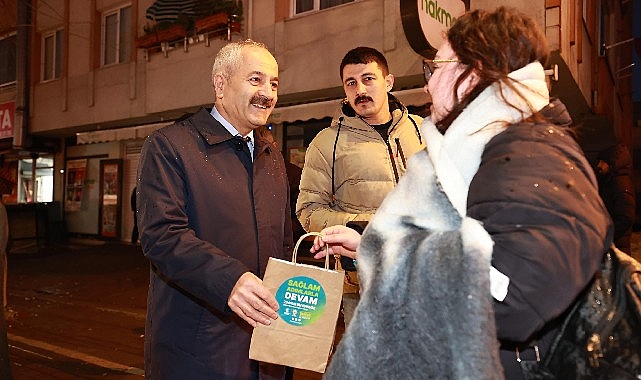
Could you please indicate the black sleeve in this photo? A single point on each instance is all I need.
(537, 197)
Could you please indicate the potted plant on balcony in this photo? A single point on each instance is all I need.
(218, 15)
(164, 31)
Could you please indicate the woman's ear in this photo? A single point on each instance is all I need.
(475, 77)
(468, 83)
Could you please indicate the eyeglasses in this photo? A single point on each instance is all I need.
(428, 66)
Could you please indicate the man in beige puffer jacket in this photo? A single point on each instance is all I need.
(352, 165)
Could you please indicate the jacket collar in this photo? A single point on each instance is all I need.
(215, 133)
(209, 128)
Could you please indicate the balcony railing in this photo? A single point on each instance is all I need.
(204, 28)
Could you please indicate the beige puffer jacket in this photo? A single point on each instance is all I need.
(363, 171)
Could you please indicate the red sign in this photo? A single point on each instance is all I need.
(7, 117)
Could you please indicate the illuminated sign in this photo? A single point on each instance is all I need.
(426, 21)
(7, 119)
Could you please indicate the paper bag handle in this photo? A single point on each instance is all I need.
(303, 238)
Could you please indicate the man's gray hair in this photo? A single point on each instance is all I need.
(229, 58)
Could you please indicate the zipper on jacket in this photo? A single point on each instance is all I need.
(391, 156)
(399, 151)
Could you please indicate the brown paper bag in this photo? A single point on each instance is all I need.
(309, 298)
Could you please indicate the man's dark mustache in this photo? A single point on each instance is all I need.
(363, 98)
(261, 100)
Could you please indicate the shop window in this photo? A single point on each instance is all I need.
(116, 36)
(303, 6)
(52, 45)
(298, 136)
(35, 182)
(8, 60)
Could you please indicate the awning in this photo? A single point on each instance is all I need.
(138, 132)
(320, 110)
(168, 10)
(288, 114)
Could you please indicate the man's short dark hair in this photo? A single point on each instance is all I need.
(364, 55)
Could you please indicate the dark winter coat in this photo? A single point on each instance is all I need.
(206, 215)
(537, 196)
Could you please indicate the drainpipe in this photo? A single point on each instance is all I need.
(23, 82)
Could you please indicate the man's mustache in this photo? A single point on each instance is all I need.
(261, 100)
(363, 98)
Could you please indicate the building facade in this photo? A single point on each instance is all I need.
(93, 78)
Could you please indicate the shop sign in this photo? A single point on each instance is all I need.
(426, 21)
(7, 118)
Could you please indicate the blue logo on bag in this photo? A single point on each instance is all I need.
(302, 300)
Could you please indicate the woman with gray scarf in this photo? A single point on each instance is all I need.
(497, 226)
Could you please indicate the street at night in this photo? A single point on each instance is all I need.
(77, 311)
(506, 131)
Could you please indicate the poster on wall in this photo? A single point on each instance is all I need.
(76, 173)
(9, 182)
(110, 197)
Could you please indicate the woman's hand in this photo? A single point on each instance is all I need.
(341, 240)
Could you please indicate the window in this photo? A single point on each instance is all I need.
(302, 6)
(8, 60)
(52, 45)
(42, 189)
(116, 36)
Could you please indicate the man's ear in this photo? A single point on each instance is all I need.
(389, 82)
(219, 85)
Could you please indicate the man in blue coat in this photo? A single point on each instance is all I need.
(212, 208)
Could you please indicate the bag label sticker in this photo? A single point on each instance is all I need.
(301, 299)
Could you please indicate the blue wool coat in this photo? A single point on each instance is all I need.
(206, 214)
